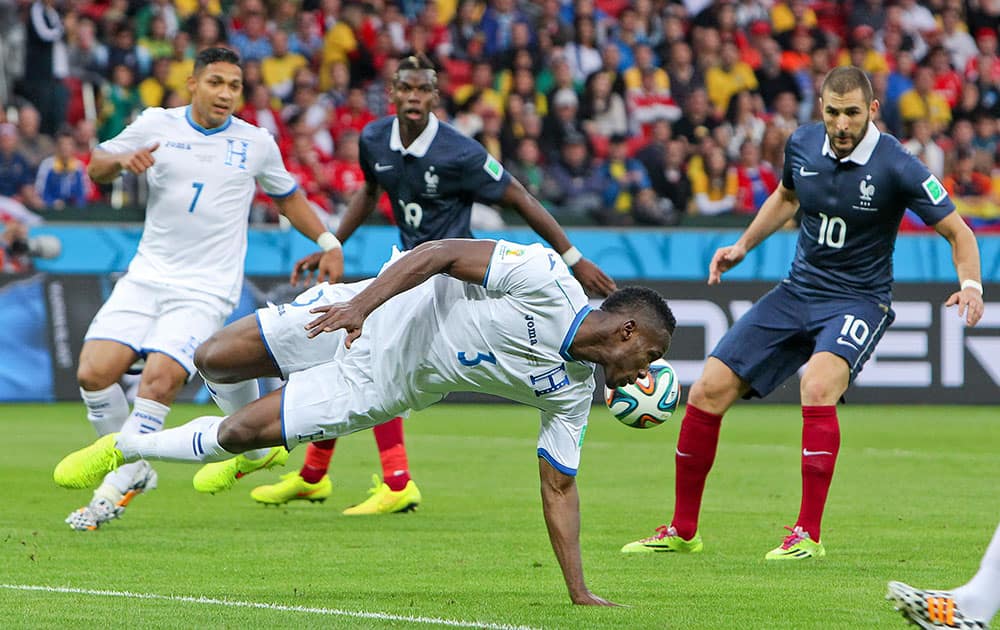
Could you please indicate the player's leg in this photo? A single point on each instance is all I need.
(846, 333)
(204, 439)
(231, 361)
(980, 597)
(102, 364)
(396, 491)
(824, 381)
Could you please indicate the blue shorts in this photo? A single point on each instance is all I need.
(784, 328)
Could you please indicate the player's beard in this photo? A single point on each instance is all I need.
(855, 139)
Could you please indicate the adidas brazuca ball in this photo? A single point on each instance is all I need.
(648, 402)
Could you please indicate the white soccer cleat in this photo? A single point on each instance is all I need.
(108, 503)
(930, 610)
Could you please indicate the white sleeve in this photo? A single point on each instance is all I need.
(138, 134)
(561, 438)
(521, 270)
(273, 177)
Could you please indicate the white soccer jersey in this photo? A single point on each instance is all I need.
(200, 189)
(509, 337)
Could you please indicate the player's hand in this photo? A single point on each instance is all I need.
(970, 305)
(333, 317)
(594, 281)
(725, 258)
(138, 161)
(589, 599)
(329, 267)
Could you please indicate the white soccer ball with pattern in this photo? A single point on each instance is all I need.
(650, 401)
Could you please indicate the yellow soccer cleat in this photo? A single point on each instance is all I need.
(797, 546)
(384, 501)
(219, 476)
(293, 487)
(665, 539)
(86, 467)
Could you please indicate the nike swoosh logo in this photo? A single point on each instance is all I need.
(807, 453)
(843, 342)
(379, 168)
(680, 454)
(804, 173)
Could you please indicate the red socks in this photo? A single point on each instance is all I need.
(820, 445)
(317, 462)
(696, 446)
(392, 452)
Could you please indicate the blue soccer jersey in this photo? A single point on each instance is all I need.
(433, 182)
(851, 209)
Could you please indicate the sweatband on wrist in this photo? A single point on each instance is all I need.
(571, 256)
(973, 284)
(327, 241)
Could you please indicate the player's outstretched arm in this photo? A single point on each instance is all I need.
(105, 167)
(330, 264)
(594, 281)
(561, 507)
(965, 256)
(464, 259)
(776, 211)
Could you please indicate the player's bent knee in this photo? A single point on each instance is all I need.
(92, 378)
(209, 358)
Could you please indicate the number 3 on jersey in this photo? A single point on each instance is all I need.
(412, 213)
(197, 193)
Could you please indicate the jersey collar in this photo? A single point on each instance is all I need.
(202, 130)
(861, 153)
(571, 333)
(419, 147)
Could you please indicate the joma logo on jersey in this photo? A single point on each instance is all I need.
(532, 334)
(232, 151)
(178, 145)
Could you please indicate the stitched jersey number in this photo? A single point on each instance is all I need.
(197, 193)
(412, 213)
(832, 231)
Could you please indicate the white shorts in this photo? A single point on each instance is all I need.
(282, 327)
(149, 317)
(329, 392)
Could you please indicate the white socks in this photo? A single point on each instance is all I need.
(231, 397)
(107, 409)
(147, 416)
(980, 597)
(196, 441)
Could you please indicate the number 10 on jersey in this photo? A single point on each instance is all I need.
(832, 231)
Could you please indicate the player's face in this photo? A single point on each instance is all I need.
(637, 350)
(214, 93)
(846, 117)
(414, 93)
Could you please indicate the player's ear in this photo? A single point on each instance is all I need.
(875, 106)
(628, 329)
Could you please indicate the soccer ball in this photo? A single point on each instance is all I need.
(648, 402)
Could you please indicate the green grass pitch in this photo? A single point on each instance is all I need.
(914, 498)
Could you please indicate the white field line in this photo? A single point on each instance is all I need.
(334, 612)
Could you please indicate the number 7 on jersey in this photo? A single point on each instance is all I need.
(197, 193)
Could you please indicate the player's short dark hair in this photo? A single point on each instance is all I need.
(648, 301)
(418, 61)
(847, 79)
(215, 55)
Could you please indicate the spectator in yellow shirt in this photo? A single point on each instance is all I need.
(787, 15)
(715, 185)
(863, 49)
(728, 78)
(278, 69)
(923, 102)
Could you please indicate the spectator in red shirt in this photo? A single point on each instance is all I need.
(756, 179)
(353, 114)
(947, 82)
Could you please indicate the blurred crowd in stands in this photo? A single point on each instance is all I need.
(614, 112)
